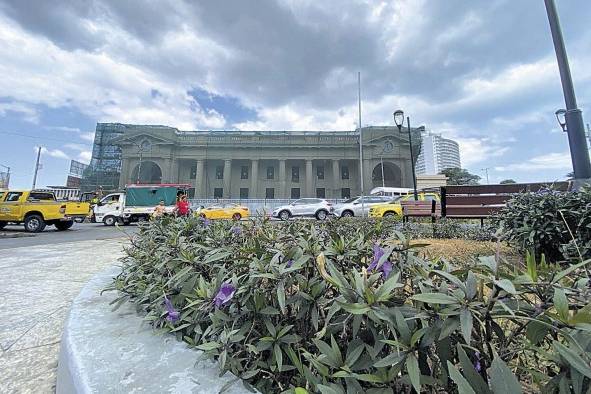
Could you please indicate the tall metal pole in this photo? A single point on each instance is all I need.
(486, 172)
(412, 162)
(574, 118)
(7, 184)
(36, 168)
(360, 146)
(382, 161)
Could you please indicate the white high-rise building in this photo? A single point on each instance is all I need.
(437, 154)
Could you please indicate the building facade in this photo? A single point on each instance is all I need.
(437, 154)
(270, 164)
(105, 165)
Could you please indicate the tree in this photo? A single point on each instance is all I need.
(507, 181)
(458, 176)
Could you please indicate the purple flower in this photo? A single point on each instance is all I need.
(477, 364)
(236, 230)
(172, 314)
(386, 267)
(224, 295)
(289, 263)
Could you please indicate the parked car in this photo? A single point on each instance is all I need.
(314, 207)
(393, 208)
(223, 211)
(359, 206)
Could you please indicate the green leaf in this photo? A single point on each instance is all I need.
(561, 304)
(385, 291)
(536, 332)
(414, 373)
(452, 278)
(328, 389)
(471, 284)
(355, 308)
(209, 346)
(434, 298)
(300, 390)
(476, 381)
(506, 285)
(449, 326)
(390, 360)
(463, 385)
(281, 297)
(569, 270)
(532, 269)
(575, 360)
(502, 380)
(402, 326)
(278, 356)
(466, 321)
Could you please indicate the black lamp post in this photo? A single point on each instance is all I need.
(570, 119)
(399, 121)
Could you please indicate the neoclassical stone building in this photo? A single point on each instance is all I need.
(266, 164)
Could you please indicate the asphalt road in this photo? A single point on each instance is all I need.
(78, 232)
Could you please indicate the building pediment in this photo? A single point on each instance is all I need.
(142, 138)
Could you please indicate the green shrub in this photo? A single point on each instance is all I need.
(345, 306)
(557, 224)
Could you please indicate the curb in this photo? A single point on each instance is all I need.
(117, 352)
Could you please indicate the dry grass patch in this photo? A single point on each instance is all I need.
(463, 250)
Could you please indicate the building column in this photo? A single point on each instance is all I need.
(227, 176)
(336, 177)
(309, 183)
(166, 174)
(174, 171)
(282, 180)
(367, 171)
(254, 174)
(200, 180)
(125, 175)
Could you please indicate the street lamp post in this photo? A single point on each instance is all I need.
(7, 175)
(572, 117)
(399, 121)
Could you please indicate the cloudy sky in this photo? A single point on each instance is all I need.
(481, 71)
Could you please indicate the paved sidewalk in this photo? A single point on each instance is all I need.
(37, 286)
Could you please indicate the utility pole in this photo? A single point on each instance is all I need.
(486, 172)
(36, 168)
(7, 183)
(360, 146)
(574, 118)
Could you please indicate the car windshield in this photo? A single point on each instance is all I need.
(395, 200)
(349, 201)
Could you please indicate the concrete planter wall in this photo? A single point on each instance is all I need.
(116, 352)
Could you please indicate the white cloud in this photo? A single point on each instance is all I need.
(99, 85)
(28, 112)
(56, 153)
(84, 156)
(549, 161)
(89, 136)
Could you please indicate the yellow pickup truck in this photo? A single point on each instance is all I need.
(38, 209)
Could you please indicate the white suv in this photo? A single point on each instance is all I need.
(358, 206)
(315, 207)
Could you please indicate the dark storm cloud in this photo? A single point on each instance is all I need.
(272, 53)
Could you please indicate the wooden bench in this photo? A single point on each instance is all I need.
(415, 209)
(483, 201)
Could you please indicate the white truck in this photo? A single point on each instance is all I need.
(136, 203)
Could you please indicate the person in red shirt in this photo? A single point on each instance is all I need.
(182, 206)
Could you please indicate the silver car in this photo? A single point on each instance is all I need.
(358, 206)
(313, 207)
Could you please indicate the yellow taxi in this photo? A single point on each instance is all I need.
(223, 211)
(393, 208)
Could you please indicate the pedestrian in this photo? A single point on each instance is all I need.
(182, 206)
(159, 210)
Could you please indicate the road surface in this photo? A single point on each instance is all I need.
(79, 232)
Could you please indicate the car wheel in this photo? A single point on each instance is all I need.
(109, 221)
(347, 214)
(284, 215)
(389, 214)
(62, 226)
(2, 224)
(202, 216)
(236, 216)
(34, 224)
(321, 215)
(79, 220)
